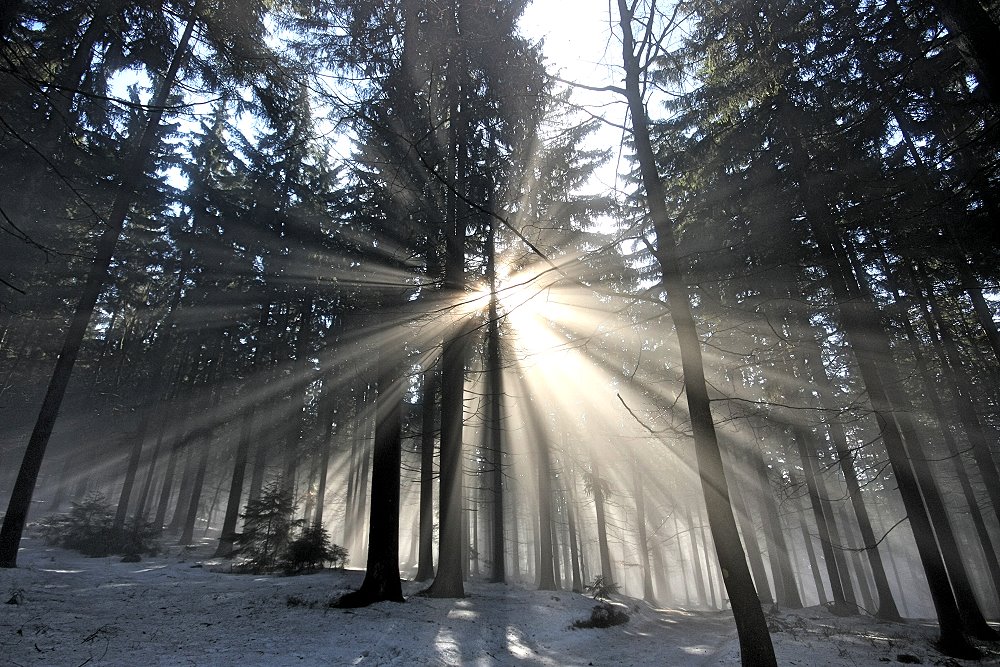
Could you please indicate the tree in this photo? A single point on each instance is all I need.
(755, 640)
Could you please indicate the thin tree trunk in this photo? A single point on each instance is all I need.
(227, 539)
(755, 640)
(752, 545)
(574, 551)
(24, 486)
(786, 587)
(495, 378)
(873, 354)
(597, 489)
(640, 519)
(807, 541)
(428, 393)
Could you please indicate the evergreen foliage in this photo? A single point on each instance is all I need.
(89, 528)
(273, 540)
(268, 530)
(312, 550)
(602, 588)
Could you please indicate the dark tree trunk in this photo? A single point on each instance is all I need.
(382, 572)
(873, 354)
(194, 504)
(752, 545)
(428, 394)
(574, 552)
(696, 560)
(978, 40)
(167, 487)
(495, 378)
(448, 579)
(786, 587)
(227, 539)
(640, 519)
(24, 486)
(328, 413)
(597, 490)
(755, 640)
(951, 447)
(806, 447)
(543, 468)
(807, 541)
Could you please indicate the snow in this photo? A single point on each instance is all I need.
(184, 608)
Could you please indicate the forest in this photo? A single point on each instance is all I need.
(715, 328)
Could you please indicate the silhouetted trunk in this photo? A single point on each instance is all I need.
(132, 171)
(860, 324)
(543, 471)
(960, 384)
(755, 640)
(328, 415)
(184, 490)
(785, 586)
(951, 447)
(227, 538)
(495, 378)
(886, 603)
(640, 519)
(167, 487)
(597, 490)
(448, 579)
(428, 394)
(752, 545)
(204, 443)
(700, 587)
(382, 571)
(859, 567)
(978, 40)
(985, 316)
(807, 541)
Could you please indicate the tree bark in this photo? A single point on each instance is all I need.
(381, 580)
(640, 519)
(755, 640)
(428, 395)
(24, 486)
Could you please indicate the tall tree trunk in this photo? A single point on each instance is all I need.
(167, 487)
(752, 545)
(574, 551)
(985, 315)
(873, 355)
(700, 587)
(428, 396)
(755, 640)
(597, 487)
(785, 585)
(328, 415)
(381, 580)
(640, 519)
(807, 541)
(494, 373)
(137, 165)
(951, 447)
(543, 468)
(227, 538)
(448, 579)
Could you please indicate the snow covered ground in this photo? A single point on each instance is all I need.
(179, 609)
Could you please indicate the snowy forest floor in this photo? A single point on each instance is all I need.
(182, 608)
